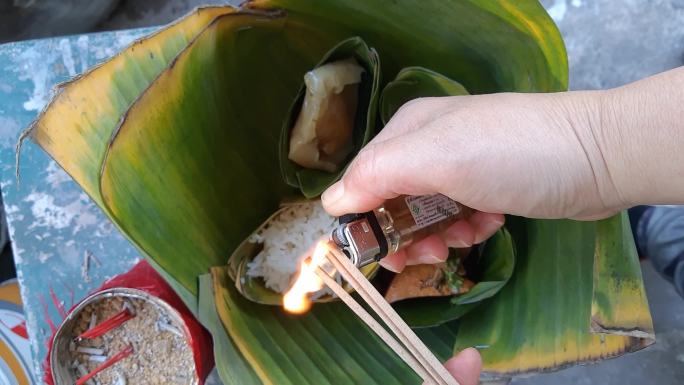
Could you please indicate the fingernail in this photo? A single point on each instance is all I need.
(428, 259)
(487, 230)
(457, 243)
(387, 265)
(333, 194)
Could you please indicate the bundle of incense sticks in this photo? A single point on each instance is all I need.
(402, 340)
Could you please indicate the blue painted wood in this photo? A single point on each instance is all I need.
(51, 220)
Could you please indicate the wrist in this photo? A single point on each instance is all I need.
(609, 125)
(590, 116)
(642, 136)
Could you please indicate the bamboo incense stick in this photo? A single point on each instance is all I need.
(374, 325)
(390, 317)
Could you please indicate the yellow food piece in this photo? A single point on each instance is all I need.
(321, 138)
(424, 280)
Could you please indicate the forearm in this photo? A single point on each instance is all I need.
(640, 133)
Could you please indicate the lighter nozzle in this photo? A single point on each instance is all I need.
(357, 241)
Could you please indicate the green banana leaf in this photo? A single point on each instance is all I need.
(556, 273)
(619, 304)
(412, 83)
(313, 182)
(328, 345)
(177, 138)
(495, 265)
(231, 366)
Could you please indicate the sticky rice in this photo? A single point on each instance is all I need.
(287, 239)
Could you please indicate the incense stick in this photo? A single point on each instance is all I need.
(436, 371)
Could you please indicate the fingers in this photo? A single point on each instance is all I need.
(485, 225)
(414, 115)
(435, 248)
(403, 165)
(358, 190)
(460, 234)
(394, 262)
(401, 159)
(465, 367)
(595, 217)
(431, 249)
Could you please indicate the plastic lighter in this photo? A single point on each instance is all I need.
(399, 222)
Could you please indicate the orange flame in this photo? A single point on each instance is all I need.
(296, 300)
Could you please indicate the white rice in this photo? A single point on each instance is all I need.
(288, 239)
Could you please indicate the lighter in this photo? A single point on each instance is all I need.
(399, 222)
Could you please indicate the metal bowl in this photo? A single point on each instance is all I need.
(62, 374)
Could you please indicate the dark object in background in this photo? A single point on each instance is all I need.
(30, 19)
(7, 269)
(659, 234)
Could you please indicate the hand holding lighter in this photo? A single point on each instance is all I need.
(399, 222)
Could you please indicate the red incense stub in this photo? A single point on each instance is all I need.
(107, 325)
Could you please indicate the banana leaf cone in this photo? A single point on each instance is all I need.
(178, 140)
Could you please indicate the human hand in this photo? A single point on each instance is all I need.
(533, 155)
(465, 367)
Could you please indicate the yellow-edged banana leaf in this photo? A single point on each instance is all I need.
(549, 314)
(87, 109)
(176, 138)
(231, 364)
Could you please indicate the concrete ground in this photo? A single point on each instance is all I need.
(609, 43)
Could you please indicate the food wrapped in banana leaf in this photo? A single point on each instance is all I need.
(322, 136)
(332, 118)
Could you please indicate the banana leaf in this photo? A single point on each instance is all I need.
(560, 305)
(87, 109)
(412, 83)
(328, 345)
(313, 182)
(231, 366)
(619, 304)
(177, 138)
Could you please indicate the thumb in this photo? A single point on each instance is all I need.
(465, 367)
(381, 171)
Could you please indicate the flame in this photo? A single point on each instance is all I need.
(296, 300)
